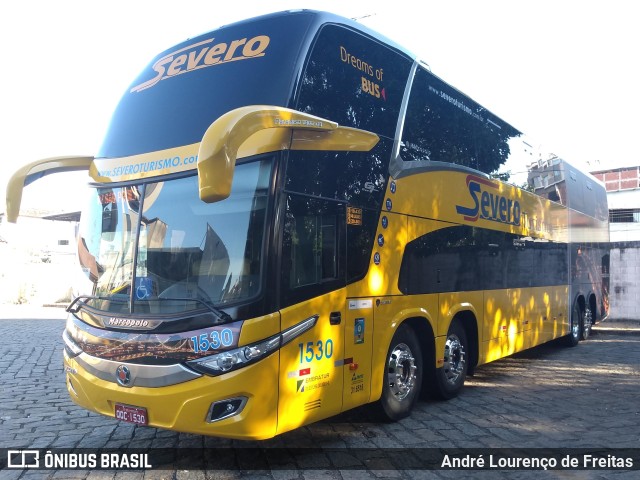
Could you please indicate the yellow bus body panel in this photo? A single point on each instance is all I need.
(311, 365)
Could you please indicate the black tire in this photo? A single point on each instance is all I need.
(575, 327)
(586, 323)
(449, 379)
(402, 377)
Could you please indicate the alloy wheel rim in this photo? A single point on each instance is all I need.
(455, 358)
(401, 371)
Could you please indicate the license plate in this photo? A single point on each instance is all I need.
(127, 413)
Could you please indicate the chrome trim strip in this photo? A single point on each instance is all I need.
(70, 344)
(395, 165)
(152, 376)
(298, 329)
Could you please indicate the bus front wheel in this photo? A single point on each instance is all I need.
(449, 379)
(402, 376)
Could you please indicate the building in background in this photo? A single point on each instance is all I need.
(623, 194)
(38, 258)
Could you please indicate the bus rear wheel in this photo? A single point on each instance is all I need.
(449, 379)
(586, 323)
(575, 326)
(403, 375)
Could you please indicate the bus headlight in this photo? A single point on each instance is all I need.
(242, 356)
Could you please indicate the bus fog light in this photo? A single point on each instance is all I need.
(225, 408)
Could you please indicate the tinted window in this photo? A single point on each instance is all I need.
(360, 236)
(444, 125)
(354, 80)
(462, 258)
(312, 248)
(358, 178)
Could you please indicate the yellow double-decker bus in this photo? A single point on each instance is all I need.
(290, 217)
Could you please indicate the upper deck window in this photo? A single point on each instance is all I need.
(444, 125)
(354, 80)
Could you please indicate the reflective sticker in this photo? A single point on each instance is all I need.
(385, 222)
(358, 331)
(388, 204)
(358, 304)
(376, 258)
(343, 362)
(393, 187)
(380, 240)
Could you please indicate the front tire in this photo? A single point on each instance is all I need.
(449, 379)
(403, 375)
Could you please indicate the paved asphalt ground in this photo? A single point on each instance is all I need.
(551, 397)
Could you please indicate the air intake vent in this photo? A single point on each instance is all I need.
(312, 405)
(225, 409)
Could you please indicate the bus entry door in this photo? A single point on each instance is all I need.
(311, 365)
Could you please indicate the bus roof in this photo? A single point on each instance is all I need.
(185, 88)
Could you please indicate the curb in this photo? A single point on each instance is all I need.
(617, 328)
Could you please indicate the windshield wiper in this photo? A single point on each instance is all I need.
(223, 316)
(82, 299)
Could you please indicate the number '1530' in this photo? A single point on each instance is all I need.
(212, 340)
(315, 350)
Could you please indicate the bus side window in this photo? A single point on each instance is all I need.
(313, 248)
(442, 124)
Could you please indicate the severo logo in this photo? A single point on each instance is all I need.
(489, 205)
(204, 54)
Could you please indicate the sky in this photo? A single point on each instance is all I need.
(563, 72)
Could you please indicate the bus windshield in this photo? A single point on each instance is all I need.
(178, 252)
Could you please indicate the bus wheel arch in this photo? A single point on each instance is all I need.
(470, 325)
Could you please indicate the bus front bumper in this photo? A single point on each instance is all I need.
(188, 406)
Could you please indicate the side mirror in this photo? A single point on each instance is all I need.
(261, 129)
(34, 171)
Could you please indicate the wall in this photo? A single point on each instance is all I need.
(624, 295)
